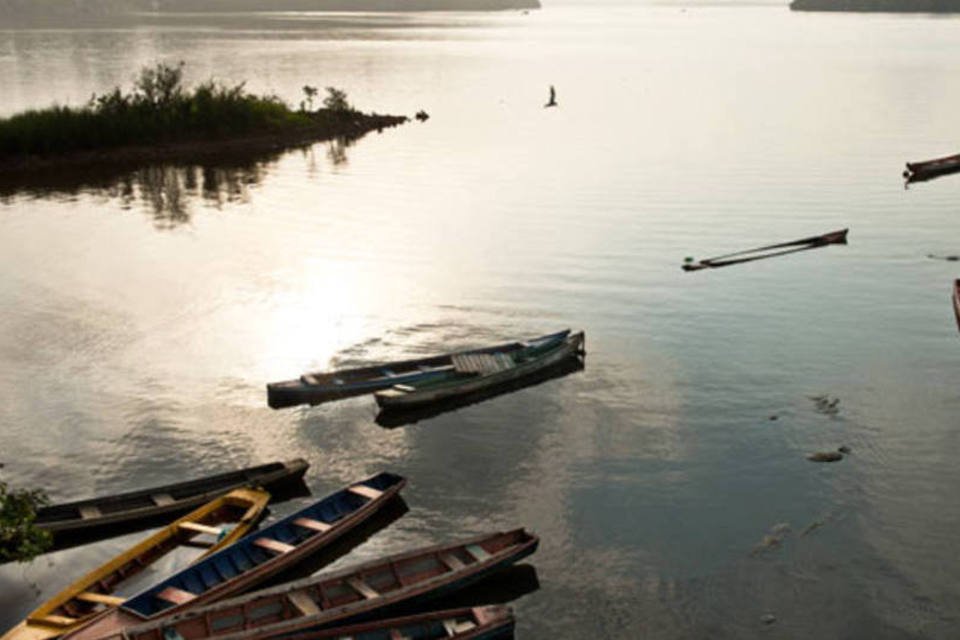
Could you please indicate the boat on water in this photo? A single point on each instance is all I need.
(473, 372)
(769, 251)
(374, 588)
(469, 623)
(926, 169)
(92, 594)
(315, 388)
(956, 301)
(108, 514)
(252, 559)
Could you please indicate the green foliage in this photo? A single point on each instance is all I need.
(336, 101)
(310, 93)
(158, 109)
(20, 539)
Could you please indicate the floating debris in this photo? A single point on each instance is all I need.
(843, 449)
(825, 456)
(768, 618)
(769, 251)
(772, 539)
(813, 526)
(948, 258)
(826, 404)
(773, 417)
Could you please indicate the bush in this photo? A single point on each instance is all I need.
(336, 101)
(20, 539)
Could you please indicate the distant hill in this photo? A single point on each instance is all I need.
(882, 6)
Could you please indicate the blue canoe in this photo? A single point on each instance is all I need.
(315, 388)
(252, 559)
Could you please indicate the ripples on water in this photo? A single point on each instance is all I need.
(143, 312)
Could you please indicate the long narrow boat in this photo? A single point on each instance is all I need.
(469, 623)
(315, 388)
(956, 301)
(92, 594)
(86, 517)
(926, 169)
(769, 251)
(253, 559)
(474, 372)
(374, 588)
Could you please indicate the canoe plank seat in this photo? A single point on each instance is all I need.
(174, 595)
(89, 512)
(309, 378)
(453, 562)
(99, 598)
(365, 491)
(55, 620)
(482, 363)
(404, 388)
(453, 627)
(162, 499)
(196, 527)
(477, 552)
(304, 604)
(274, 545)
(310, 523)
(363, 588)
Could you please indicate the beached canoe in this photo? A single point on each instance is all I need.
(315, 388)
(926, 169)
(108, 514)
(956, 301)
(252, 559)
(371, 589)
(474, 372)
(92, 594)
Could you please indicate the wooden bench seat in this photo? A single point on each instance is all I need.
(365, 491)
(100, 598)
(162, 499)
(89, 512)
(304, 604)
(57, 621)
(196, 527)
(477, 552)
(363, 588)
(310, 523)
(174, 595)
(453, 562)
(274, 545)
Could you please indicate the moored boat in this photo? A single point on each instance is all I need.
(956, 301)
(252, 559)
(108, 514)
(926, 169)
(332, 599)
(471, 373)
(469, 623)
(315, 388)
(92, 594)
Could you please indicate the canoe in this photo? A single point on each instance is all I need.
(252, 559)
(315, 388)
(769, 251)
(370, 589)
(926, 169)
(108, 514)
(475, 372)
(92, 594)
(469, 623)
(956, 301)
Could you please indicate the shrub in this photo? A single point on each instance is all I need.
(20, 539)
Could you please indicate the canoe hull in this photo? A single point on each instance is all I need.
(927, 169)
(572, 345)
(956, 301)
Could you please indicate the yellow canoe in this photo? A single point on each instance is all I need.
(91, 595)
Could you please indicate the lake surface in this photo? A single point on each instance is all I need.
(141, 315)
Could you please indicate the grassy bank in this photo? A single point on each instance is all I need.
(160, 109)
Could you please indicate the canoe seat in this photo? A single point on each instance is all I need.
(174, 595)
(482, 363)
(453, 627)
(100, 598)
(310, 523)
(453, 562)
(304, 604)
(309, 378)
(162, 499)
(477, 552)
(404, 387)
(363, 588)
(57, 621)
(90, 512)
(365, 491)
(196, 527)
(274, 545)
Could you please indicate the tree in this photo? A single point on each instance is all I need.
(310, 93)
(20, 539)
(336, 101)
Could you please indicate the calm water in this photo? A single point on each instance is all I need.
(141, 315)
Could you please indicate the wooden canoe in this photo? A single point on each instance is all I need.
(468, 623)
(475, 372)
(252, 559)
(956, 301)
(315, 388)
(926, 169)
(374, 588)
(92, 594)
(769, 251)
(107, 514)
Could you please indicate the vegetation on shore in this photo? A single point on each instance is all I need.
(161, 109)
(20, 539)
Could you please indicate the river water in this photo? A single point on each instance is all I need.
(141, 314)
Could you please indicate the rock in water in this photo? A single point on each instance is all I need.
(825, 456)
(768, 618)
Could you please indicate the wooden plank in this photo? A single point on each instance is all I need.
(196, 527)
(310, 523)
(59, 621)
(365, 491)
(176, 596)
(453, 562)
(274, 545)
(363, 588)
(477, 552)
(100, 598)
(162, 499)
(304, 604)
(89, 512)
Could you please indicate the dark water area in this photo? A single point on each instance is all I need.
(143, 312)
